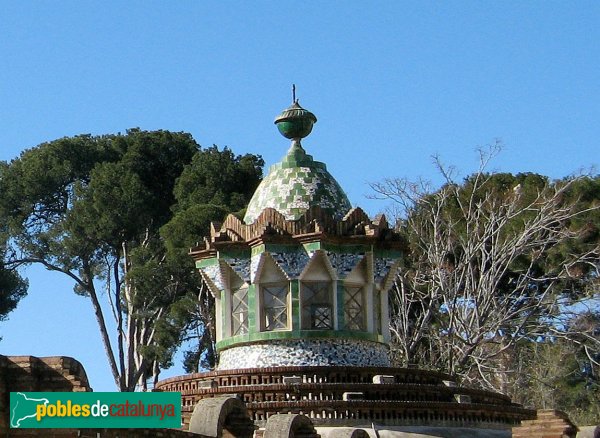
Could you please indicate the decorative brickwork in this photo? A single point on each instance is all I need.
(409, 397)
(547, 424)
(308, 333)
(314, 222)
(58, 374)
(29, 373)
(290, 257)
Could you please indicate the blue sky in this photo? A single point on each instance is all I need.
(390, 82)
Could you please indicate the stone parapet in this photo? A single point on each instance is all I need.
(410, 397)
(30, 373)
(548, 423)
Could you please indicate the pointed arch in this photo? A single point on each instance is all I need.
(318, 266)
(359, 273)
(268, 270)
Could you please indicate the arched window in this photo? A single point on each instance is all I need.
(316, 296)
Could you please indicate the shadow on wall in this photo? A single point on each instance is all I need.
(29, 373)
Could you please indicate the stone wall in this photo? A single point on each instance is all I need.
(548, 424)
(29, 373)
(58, 374)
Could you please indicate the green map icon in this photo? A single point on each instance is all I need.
(23, 408)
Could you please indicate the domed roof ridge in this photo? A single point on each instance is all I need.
(294, 185)
(297, 182)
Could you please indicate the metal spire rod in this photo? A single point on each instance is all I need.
(293, 93)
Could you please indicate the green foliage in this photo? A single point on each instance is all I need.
(192, 224)
(219, 178)
(37, 186)
(213, 185)
(123, 210)
(12, 289)
(558, 374)
(115, 206)
(487, 192)
(584, 279)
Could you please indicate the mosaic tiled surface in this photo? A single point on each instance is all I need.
(294, 262)
(318, 352)
(343, 263)
(254, 263)
(214, 273)
(294, 185)
(241, 266)
(381, 267)
(291, 262)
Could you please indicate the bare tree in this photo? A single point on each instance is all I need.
(484, 273)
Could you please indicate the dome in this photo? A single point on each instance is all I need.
(294, 185)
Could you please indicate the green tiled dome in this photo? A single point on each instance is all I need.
(294, 185)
